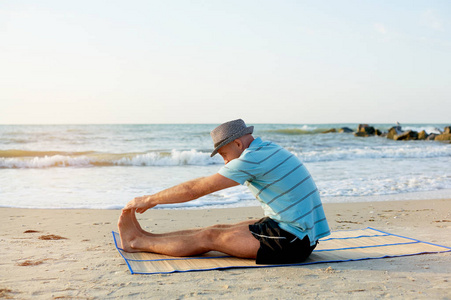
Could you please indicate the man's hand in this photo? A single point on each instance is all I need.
(141, 204)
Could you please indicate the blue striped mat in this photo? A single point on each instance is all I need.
(340, 246)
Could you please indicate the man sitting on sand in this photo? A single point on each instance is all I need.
(294, 221)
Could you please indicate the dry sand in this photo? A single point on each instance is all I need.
(58, 254)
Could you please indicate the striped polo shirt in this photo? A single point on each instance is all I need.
(284, 187)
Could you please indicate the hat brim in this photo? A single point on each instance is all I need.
(247, 130)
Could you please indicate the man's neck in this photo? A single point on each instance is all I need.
(247, 140)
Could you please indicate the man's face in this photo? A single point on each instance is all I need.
(230, 151)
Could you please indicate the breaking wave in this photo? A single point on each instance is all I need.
(44, 159)
(48, 159)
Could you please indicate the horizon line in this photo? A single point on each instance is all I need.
(208, 123)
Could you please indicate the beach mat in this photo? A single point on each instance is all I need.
(340, 246)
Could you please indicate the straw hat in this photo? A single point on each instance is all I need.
(228, 132)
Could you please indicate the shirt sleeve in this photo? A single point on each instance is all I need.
(239, 171)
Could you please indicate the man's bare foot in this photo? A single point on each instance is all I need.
(130, 235)
(138, 226)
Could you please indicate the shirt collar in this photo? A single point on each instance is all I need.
(255, 143)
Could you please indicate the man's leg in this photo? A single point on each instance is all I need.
(234, 240)
(190, 231)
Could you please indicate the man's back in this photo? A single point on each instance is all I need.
(283, 186)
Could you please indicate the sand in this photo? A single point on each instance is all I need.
(58, 254)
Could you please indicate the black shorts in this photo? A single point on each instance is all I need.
(278, 246)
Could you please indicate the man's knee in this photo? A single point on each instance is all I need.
(217, 234)
(208, 237)
(223, 235)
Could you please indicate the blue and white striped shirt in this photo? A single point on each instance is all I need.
(284, 187)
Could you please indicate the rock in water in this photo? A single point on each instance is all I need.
(392, 132)
(422, 135)
(330, 130)
(431, 137)
(406, 136)
(365, 130)
(361, 134)
(370, 130)
(362, 127)
(443, 137)
(345, 130)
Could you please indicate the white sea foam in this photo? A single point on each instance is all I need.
(428, 129)
(199, 158)
(44, 162)
(400, 152)
(175, 158)
(383, 185)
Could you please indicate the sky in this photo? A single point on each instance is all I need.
(302, 62)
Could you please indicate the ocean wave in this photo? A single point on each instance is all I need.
(428, 129)
(373, 153)
(354, 187)
(174, 158)
(48, 159)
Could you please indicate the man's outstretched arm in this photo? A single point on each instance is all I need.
(183, 192)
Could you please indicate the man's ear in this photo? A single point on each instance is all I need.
(239, 143)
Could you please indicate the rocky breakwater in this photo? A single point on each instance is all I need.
(396, 133)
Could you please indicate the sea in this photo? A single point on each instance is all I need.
(105, 166)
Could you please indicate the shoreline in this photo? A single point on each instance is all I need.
(84, 263)
(441, 194)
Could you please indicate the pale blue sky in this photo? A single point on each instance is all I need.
(211, 61)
